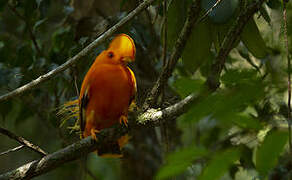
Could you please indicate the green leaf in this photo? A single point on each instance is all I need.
(198, 47)
(185, 86)
(245, 88)
(178, 162)
(220, 164)
(268, 153)
(176, 15)
(236, 76)
(253, 40)
(241, 120)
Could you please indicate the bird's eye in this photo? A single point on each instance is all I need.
(110, 54)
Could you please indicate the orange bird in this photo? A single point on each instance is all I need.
(108, 88)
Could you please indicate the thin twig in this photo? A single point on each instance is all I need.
(12, 150)
(32, 36)
(289, 69)
(164, 52)
(23, 141)
(164, 33)
(43, 78)
(164, 125)
(193, 14)
(210, 10)
(75, 75)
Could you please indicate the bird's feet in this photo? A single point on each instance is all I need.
(124, 119)
(93, 133)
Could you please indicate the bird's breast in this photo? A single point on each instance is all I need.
(110, 92)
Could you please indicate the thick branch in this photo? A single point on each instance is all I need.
(155, 117)
(58, 158)
(77, 57)
(23, 141)
(193, 15)
(85, 146)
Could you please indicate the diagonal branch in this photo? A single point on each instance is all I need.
(87, 145)
(67, 154)
(229, 41)
(33, 84)
(193, 15)
(23, 141)
(12, 150)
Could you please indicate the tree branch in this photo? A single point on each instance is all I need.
(87, 145)
(69, 153)
(12, 150)
(23, 141)
(229, 42)
(193, 15)
(73, 60)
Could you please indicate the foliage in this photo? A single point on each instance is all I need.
(238, 131)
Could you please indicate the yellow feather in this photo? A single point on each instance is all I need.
(70, 110)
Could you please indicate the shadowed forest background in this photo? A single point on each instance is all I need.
(232, 61)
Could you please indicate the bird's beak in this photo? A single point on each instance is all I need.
(128, 59)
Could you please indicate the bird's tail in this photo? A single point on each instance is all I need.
(67, 111)
(70, 110)
(114, 149)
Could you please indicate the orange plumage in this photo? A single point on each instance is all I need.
(108, 89)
